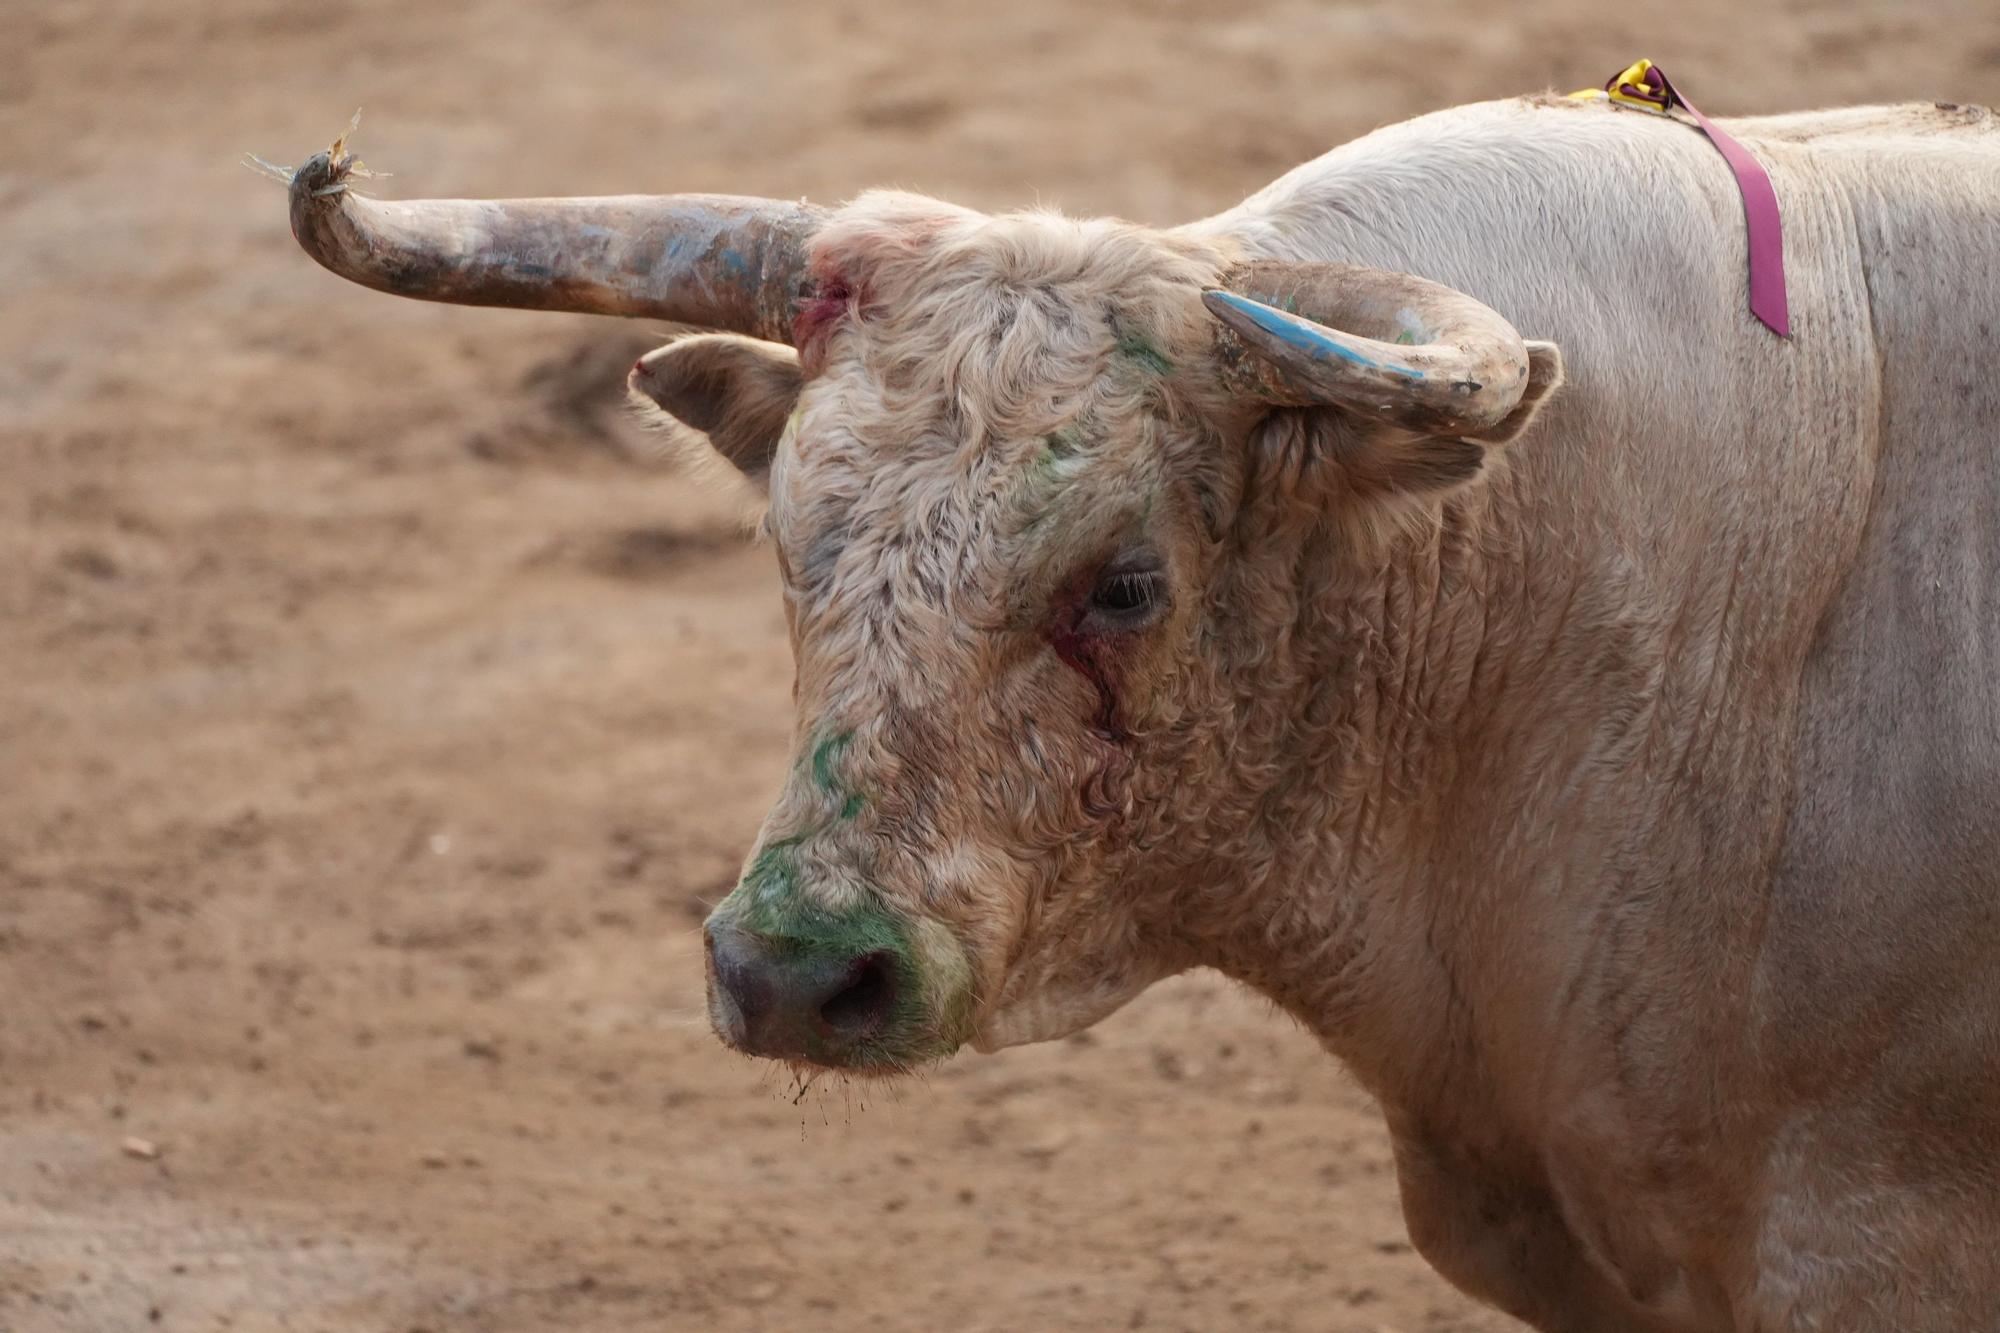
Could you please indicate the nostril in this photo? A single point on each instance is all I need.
(862, 1003)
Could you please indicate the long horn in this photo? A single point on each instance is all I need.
(718, 261)
(1399, 348)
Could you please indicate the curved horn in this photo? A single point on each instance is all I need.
(1410, 352)
(717, 261)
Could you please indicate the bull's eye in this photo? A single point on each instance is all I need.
(1129, 593)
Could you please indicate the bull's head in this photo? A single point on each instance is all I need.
(1039, 492)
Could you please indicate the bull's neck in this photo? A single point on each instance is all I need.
(1396, 737)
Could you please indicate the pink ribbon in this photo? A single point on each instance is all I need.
(1760, 202)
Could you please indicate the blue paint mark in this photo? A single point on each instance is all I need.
(596, 233)
(1296, 332)
(734, 262)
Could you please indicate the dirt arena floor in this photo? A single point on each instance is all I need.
(376, 719)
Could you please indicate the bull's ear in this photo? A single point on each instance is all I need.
(1545, 376)
(736, 391)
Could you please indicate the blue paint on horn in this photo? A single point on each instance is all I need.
(1303, 334)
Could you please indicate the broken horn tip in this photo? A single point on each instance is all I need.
(264, 168)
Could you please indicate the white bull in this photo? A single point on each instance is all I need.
(1616, 789)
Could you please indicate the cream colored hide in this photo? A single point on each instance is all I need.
(1609, 773)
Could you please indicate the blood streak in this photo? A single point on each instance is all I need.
(1091, 656)
(826, 303)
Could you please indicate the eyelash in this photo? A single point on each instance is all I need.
(1125, 600)
(1127, 593)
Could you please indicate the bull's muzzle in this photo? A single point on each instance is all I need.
(792, 999)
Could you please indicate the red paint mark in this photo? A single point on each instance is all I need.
(820, 311)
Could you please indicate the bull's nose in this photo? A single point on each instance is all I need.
(796, 1001)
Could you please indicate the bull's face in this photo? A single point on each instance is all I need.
(1006, 476)
(1028, 483)
(996, 510)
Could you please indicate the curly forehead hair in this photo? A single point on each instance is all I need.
(968, 370)
(1013, 324)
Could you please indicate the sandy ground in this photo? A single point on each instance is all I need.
(374, 727)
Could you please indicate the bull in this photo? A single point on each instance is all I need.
(1424, 594)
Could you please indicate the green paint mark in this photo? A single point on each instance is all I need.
(1045, 473)
(932, 1012)
(825, 755)
(825, 760)
(774, 874)
(1042, 472)
(1406, 338)
(1141, 349)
